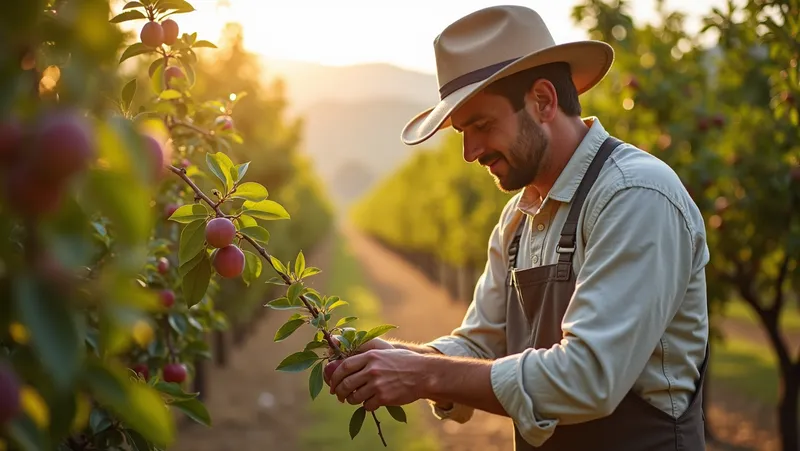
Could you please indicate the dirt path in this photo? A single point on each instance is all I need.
(252, 406)
(423, 310)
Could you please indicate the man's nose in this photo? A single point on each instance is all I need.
(473, 148)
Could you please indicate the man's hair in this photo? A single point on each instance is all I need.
(515, 86)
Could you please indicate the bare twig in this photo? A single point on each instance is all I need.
(378, 423)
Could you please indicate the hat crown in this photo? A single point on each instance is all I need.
(487, 37)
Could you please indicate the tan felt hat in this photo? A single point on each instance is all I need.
(492, 43)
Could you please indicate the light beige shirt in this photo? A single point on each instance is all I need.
(638, 318)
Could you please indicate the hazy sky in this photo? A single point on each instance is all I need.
(342, 32)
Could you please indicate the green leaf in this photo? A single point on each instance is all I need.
(192, 242)
(220, 165)
(315, 380)
(257, 233)
(311, 345)
(356, 421)
(202, 43)
(195, 282)
(178, 322)
(288, 329)
(138, 442)
(310, 271)
(277, 264)
(245, 221)
(397, 413)
(267, 210)
(336, 305)
(179, 5)
(241, 170)
(130, 5)
(281, 303)
(138, 405)
(252, 267)
(378, 331)
(190, 213)
(300, 263)
(53, 329)
(128, 92)
(251, 191)
(346, 320)
(294, 292)
(128, 15)
(170, 94)
(174, 390)
(195, 410)
(298, 361)
(184, 268)
(135, 49)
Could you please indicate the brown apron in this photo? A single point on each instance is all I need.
(535, 310)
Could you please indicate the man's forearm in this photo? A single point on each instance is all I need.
(462, 380)
(414, 347)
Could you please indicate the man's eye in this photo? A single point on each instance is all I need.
(482, 126)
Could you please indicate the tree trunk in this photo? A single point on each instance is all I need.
(787, 410)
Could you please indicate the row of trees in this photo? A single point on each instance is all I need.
(136, 210)
(724, 117)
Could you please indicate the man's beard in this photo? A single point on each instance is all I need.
(525, 155)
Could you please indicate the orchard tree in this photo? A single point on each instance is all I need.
(111, 248)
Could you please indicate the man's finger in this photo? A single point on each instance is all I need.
(349, 366)
(351, 383)
(363, 393)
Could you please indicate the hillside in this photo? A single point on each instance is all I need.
(352, 117)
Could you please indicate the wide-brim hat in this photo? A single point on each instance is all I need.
(496, 42)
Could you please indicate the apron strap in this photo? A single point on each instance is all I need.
(566, 244)
(513, 249)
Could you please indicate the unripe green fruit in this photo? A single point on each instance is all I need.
(220, 232)
(229, 261)
(174, 372)
(152, 34)
(10, 405)
(170, 28)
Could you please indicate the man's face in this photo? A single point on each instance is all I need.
(511, 145)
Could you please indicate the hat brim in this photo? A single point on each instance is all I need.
(589, 61)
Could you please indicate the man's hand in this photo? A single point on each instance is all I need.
(380, 377)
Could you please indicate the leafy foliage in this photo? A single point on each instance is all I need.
(106, 261)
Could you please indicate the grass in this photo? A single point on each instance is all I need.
(330, 418)
(747, 368)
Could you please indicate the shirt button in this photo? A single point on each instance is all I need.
(540, 227)
(535, 259)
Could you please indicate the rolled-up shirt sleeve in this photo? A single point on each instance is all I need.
(481, 333)
(637, 263)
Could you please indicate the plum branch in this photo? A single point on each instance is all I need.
(287, 281)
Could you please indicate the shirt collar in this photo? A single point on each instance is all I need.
(566, 184)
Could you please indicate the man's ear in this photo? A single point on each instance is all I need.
(541, 101)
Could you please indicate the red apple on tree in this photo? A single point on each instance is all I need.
(163, 265)
(167, 298)
(142, 369)
(220, 232)
(170, 28)
(229, 261)
(330, 367)
(224, 122)
(10, 405)
(152, 34)
(171, 73)
(174, 372)
(11, 133)
(169, 209)
(63, 145)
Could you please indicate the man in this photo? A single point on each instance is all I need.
(589, 325)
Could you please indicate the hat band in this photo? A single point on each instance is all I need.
(472, 77)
